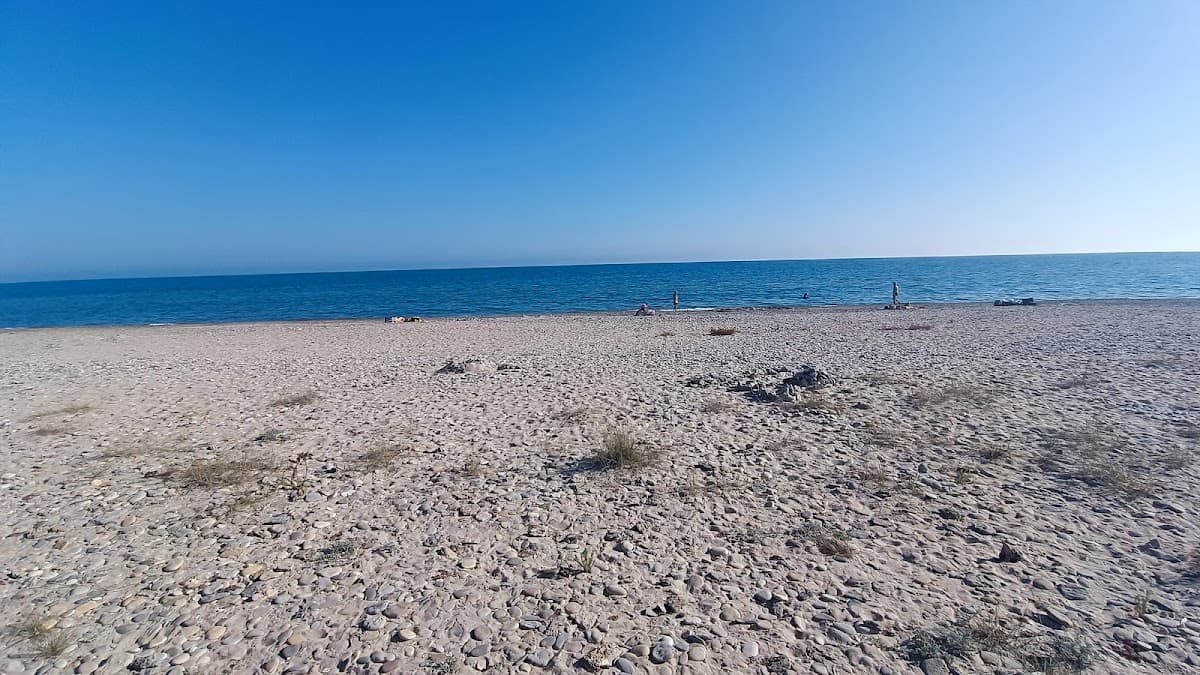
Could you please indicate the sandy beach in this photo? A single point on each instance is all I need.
(608, 493)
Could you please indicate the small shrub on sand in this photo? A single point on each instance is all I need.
(828, 540)
(33, 626)
(293, 400)
(1060, 655)
(216, 473)
(947, 642)
(1094, 456)
(934, 396)
(620, 449)
(722, 331)
(883, 436)
(472, 467)
(60, 411)
(383, 456)
(995, 453)
(990, 633)
(55, 644)
(874, 473)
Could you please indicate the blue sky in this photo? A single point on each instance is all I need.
(189, 138)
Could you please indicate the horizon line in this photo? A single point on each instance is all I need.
(594, 264)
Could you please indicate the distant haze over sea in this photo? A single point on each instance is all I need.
(591, 288)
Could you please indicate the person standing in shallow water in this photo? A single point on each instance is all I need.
(675, 300)
(895, 294)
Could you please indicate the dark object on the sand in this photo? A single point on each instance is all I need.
(1027, 302)
(809, 378)
(1008, 554)
(414, 319)
(393, 319)
(472, 366)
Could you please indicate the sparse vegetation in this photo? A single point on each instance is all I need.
(1059, 655)
(1141, 606)
(381, 457)
(722, 331)
(1093, 455)
(990, 633)
(995, 453)
(54, 644)
(337, 552)
(33, 626)
(828, 540)
(947, 642)
(884, 437)
(292, 400)
(217, 473)
(620, 449)
(952, 392)
(585, 559)
(297, 480)
(1179, 458)
(572, 415)
(60, 411)
(875, 473)
(472, 467)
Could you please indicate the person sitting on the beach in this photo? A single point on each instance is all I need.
(644, 310)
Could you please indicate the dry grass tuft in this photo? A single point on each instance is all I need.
(1093, 455)
(55, 644)
(572, 415)
(934, 396)
(621, 450)
(292, 400)
(33, 626)
(383, 456)
(722, 331)
(834, 546)
(716, 405)
(62, 410)
(472, 467)
(217, 473)
(873, 472)
(883, 436)
(995, 453)
(828, 540)
(911, 326)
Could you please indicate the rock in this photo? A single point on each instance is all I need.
(374, 622)
(1008, 554)
(935, 667)
(1072, 592)
(404, 635)
(541, 657)
(697, 653)
(749, 649)
(614, 591)
(808, 377)
(603, 656)
(661, 652)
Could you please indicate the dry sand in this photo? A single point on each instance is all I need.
(390, 519)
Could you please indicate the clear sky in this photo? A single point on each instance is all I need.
(207, 137)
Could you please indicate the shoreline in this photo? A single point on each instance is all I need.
(608, 313)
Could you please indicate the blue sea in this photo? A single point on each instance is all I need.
(595, 288)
